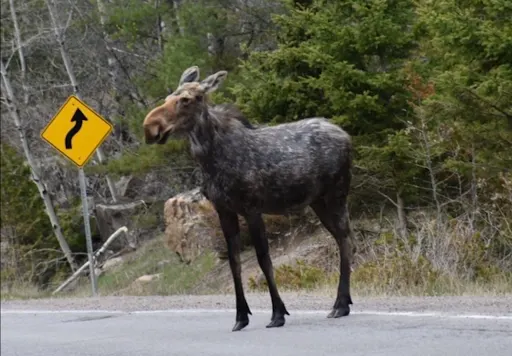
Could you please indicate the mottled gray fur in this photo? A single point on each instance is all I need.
(251, 171)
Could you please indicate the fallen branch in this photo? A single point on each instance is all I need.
(95, 256)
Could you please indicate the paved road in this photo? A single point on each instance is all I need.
(66, 330)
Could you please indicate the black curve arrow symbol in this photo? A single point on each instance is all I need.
(78, 118)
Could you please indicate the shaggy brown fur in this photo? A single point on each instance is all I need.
(264, 170)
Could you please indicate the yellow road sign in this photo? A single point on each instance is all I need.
(76, 131)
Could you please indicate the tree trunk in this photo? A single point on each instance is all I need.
(13, 110)
(17, 37)
(113, 70)
(159, 29)
(74, 83)
(402, 219)
(176, 6)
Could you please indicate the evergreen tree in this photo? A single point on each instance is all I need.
(343, 60)
(470, 51)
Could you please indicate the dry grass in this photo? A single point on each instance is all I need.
(22, 291)
(447, 257)
(371, 281)
(151, 259)
(435, 258)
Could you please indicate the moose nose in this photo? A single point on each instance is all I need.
(150, 139)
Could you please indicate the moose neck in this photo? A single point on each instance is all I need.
(202, 137)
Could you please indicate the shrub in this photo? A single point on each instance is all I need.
(300, 275)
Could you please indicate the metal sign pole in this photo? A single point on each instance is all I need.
(76, 131)
(88, 238)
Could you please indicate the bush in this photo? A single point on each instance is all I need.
(397, 274)
(298, 276)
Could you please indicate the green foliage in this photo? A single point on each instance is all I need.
(424, 89)
(72, 225)
(469, 47)
(345, 60)
(145, 158)
(333, 60)
(27, 227)
(179, 54)
(22, 207)
(134, 21)
(24, 220)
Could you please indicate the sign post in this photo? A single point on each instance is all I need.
(76, 131)
(88, 237)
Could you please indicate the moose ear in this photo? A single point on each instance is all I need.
(212, 82)
(189, 75)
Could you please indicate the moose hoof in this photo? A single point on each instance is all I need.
(276, 322)
(339, 312)
(240, 325)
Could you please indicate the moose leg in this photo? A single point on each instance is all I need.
(231, 230)
(260, 242)
(334, 216)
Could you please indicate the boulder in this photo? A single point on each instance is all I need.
(192, 226)
(148, 278)
(111, 263)
(139, 217)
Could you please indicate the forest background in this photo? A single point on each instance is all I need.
(423, 87)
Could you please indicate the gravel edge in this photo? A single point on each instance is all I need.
(495, 305)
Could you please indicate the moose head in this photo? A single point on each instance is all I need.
(182, 108)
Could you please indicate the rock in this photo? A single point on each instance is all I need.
(163, 263)
(109, 218)
(192, 226)
(148, 278)
(109, 264)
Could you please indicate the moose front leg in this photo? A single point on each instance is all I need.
(260, 242)
(231, 230)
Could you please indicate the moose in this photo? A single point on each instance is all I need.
(250, 171)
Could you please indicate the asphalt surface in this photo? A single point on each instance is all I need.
(130, 327)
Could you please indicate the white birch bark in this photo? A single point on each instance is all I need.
(176, 5)
(17, 38)
(113, 70)
(14, 112)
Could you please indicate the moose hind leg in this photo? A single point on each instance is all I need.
(334, 216)
(260, 242)
(231, 230)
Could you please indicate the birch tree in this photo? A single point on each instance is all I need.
(17, 38)
(113, 70)
(14, 113)
(176, 6)
(59, 36)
